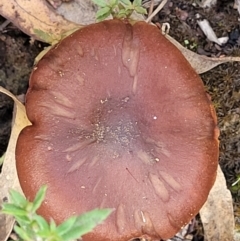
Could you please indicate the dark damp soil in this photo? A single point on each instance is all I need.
(17, 53)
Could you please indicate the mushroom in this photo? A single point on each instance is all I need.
(119, 120)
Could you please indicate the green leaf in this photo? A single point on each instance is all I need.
(129, 8)
(17, 198)
(113, 3)
(41, 222)
(126, 2)
(122, 13)
(34, 226)
(125, 13)
(46, 37)
(103, 13)
(140, 10)
(137, 3)
(53, 226)
(100, 3)
(86, 222)
(66, 226)
(75, 233)
(14, 210)
(22, 233)
(39, 198)
(22, 220)
(121, 6)
(29, 207)
(94, 217)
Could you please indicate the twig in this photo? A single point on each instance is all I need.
(160, 6)
(151, 8)
(4, 24)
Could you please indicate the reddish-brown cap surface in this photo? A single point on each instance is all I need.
(120, 120)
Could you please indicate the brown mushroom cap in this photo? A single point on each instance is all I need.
(119, 120)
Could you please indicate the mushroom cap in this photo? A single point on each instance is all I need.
(119, 120)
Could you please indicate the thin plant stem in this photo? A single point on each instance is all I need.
(158, 9)
(151, 8)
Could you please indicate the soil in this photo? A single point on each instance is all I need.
(17, 53)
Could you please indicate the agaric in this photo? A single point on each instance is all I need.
(119, 120)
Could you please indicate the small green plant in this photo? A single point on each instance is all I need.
(33, 227)
(118, 8)
(190, 44)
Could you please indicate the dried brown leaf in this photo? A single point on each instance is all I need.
(201, 63)
(78, 11)
(37, 19)
(217, 213)
(8, 176)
